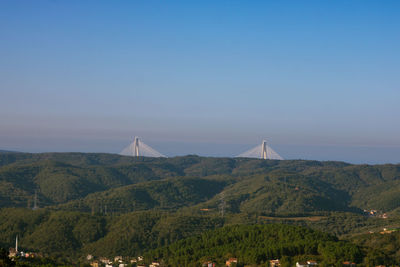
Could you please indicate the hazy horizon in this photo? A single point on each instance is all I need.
(318, 80)
(349, 154)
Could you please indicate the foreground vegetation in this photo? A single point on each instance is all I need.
(257, 244)
(173, 237)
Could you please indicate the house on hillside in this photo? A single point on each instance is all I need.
(312, 263)
(275, 263)
(230, 261)
(308, 263)
(12, 253)
(104, 260)
(32, 255)
(118, 259)
(95, 264)
(154, 264)
(209, 264)
(348, 264)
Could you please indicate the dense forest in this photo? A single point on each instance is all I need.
(107, 205)
(256, 244)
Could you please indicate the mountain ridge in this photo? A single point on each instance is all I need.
(270, 186)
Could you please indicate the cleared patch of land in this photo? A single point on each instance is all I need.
(309, 218)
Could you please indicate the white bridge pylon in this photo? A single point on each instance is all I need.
(262, 151)
(139, 149)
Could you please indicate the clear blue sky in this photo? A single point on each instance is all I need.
(318, 79)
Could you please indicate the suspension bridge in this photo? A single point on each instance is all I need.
(139, 149)
(262, 151)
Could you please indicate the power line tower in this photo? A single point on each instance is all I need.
(35, 205)
(222, 204)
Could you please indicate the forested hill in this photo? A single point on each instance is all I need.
(81, 181)
(108, 205)
(257, 244)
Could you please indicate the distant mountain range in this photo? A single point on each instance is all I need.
(125, 184)
(8, 151)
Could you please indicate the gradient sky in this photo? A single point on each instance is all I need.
(317, 79)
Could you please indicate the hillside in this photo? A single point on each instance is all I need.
(272, 187)
(166, 194)
(107, 205)
(257, 244)
(388, 242)
(74, 234)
